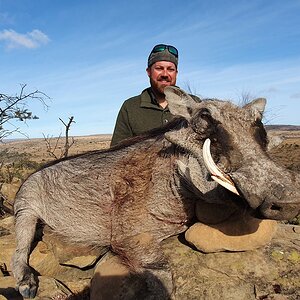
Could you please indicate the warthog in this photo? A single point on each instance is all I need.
(133, 196)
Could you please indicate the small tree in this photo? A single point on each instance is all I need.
(67, 143)
(15, 108)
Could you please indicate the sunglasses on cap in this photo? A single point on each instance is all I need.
(162, 47)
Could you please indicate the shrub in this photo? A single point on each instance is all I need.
(15, 165)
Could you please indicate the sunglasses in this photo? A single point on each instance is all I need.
(162, 47)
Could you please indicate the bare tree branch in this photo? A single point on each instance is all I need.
(51, 150)
(13, 108)
(67, 143)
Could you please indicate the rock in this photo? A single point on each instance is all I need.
(270, 272)
(7, 288)
(239, 233)
(108, 278)
(249, 275)
(44, 261)
(9, 190)
(8, 223)
(72, 255)
(113, 280)
(7, 248)
(49, 288)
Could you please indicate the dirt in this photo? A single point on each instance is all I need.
(38, 151)
(287, 153)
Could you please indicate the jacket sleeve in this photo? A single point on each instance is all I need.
(122, 129)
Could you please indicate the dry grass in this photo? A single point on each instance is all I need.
(37, 148)
(288, 153)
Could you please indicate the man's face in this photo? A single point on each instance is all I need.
(162, 74)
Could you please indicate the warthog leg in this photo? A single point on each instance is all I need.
(25, 231)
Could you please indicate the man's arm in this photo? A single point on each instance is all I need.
(122, 129)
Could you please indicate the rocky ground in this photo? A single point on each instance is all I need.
(269, 272)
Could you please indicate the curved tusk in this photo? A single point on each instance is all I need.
(216, 174)
(208, 160)
(226, 185)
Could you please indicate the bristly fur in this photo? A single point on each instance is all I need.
(175, 124)
(138, 193)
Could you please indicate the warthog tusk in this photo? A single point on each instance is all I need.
(226, 184)
(216, 174)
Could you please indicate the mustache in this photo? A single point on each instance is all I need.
(166, 78)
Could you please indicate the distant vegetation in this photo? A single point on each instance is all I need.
(14, 165)
(283, 127)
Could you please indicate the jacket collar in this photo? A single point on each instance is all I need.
(148, 100)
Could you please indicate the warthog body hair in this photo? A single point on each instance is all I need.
(133, 196)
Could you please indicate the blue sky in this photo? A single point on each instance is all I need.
(89, 56)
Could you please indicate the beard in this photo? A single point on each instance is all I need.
(159, 85)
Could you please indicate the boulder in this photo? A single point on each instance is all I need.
(54, 258)
(240, 232)
(7, 244)
(63, 270)
(113, 280)
(9, 190)
(269, 272)
(266, 273)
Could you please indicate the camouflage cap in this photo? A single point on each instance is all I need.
(164, 55)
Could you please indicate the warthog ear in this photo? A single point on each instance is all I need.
(179, 102)
(257, 106)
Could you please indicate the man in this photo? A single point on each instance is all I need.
(149, 109)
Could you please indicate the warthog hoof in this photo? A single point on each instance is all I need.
(27, 287)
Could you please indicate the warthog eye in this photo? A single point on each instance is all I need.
(202, 121)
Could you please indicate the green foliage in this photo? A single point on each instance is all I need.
(14, 108)
(16, 165)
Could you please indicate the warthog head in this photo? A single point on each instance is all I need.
(238, 143)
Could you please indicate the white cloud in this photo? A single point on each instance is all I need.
(31, 40)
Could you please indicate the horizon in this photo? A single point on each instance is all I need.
(89, 57)
(286, 127)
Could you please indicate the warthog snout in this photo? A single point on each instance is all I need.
(277, 210)
(276, 196)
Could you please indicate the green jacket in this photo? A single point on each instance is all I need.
(138, 115)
